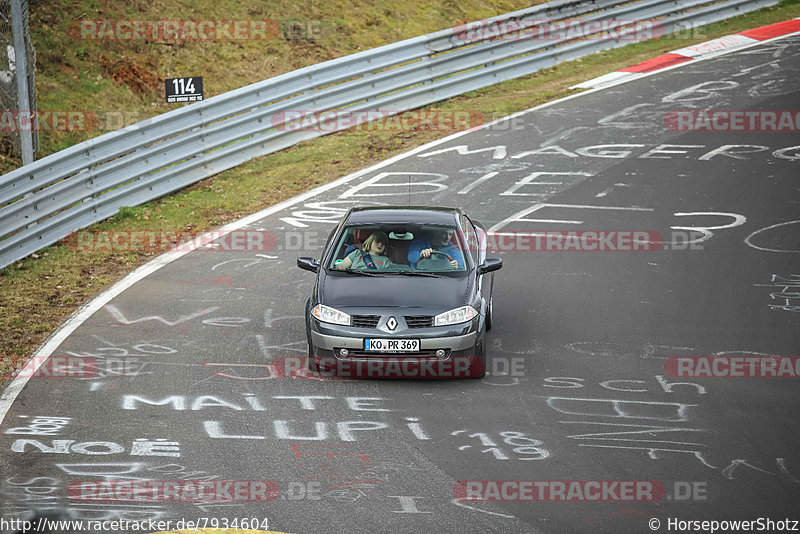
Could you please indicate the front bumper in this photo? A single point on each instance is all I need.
(327, 342)
(445, 352)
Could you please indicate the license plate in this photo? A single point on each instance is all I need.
(391, 345)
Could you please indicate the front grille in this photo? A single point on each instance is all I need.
(366, 321)
(419, 321)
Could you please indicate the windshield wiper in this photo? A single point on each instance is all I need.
(355, 271)
(418, 273)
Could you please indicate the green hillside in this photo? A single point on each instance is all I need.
(119, 79)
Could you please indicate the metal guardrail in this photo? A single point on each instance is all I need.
(45, 201)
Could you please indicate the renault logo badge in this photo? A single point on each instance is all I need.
(391, 324)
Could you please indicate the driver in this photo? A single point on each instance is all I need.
(438, 241)
(371, 256)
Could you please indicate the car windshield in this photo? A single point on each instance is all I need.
(407, 249)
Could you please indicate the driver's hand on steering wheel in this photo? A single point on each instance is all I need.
(426, 253)
(453, 264)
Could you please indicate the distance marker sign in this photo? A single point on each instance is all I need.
(184, 89)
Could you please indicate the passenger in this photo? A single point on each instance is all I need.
(439, 241)
(371, 256)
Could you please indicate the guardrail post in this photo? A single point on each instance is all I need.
(21, 61)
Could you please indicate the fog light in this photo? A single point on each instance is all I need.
(343, 353)
(440, 353)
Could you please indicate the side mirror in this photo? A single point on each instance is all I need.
(489, 265)
(308, 264)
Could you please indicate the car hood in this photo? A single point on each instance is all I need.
(394, 290)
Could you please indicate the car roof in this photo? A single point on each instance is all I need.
(409, 214)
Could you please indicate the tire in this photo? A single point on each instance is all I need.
(478, 365)
(312, 364)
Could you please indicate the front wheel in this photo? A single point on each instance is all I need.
(312, 364)
(477, 368)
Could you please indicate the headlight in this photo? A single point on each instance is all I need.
(326, 314)
(458, 315)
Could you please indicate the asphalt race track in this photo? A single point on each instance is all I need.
(201, 354)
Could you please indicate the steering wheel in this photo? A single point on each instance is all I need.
(434, 261)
